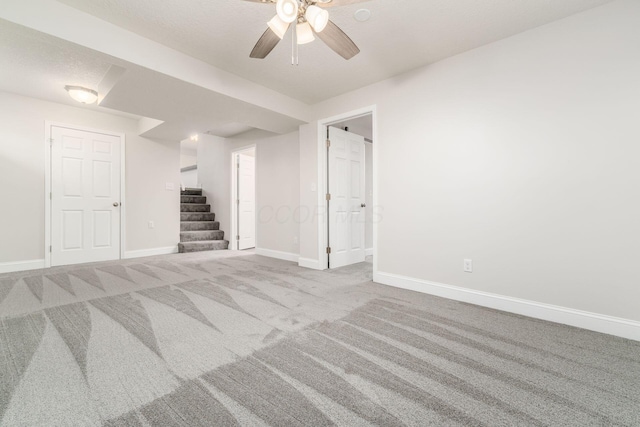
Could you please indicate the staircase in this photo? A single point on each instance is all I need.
(199, 231)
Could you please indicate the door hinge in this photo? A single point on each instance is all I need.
(50, 196)
(328, 197)
(50, 248)
(50, 141)
(328, 143)
(328, 249)
(237, 201)
(237, 237)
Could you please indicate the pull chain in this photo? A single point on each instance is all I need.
(295, 60)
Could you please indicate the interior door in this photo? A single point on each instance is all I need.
(85, 196)
(247, 201)
(346, 163)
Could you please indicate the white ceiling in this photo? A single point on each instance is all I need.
(38, 65)
(401, 35)
(186, 109)
(186, 65)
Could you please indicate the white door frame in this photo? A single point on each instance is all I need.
(323, 219)
(233, 241)
(47, 185)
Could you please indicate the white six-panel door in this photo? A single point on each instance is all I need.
(85, 200)
(247, 201)
(347, 190)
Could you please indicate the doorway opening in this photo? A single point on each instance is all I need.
(347, 232)
(189, 163)
(243, 199)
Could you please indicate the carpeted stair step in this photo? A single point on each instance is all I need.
(199, 230)
(191, 192)
(197, 216)
(196, 236)
(193, 199)
(199, 225)
(194, 207)
(206, 245)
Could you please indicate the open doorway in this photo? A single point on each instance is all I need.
(348, 166)
(243, 198)
(189, 163)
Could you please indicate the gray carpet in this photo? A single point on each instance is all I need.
(217, 339)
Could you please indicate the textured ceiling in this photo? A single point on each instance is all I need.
(401, 35)
(37, 65)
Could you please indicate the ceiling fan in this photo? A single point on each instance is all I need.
(311, 20)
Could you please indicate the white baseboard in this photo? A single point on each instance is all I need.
(277, 254)
(624, 328)
(313, 264)
(368, 252)
(151, 252)
(10, 267)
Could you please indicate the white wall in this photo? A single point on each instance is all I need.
(277, 187)
(188, 159)
(521, 155)
(189, 179)
(309, 188)
(214, 175)
(149, 165)
(278, 190)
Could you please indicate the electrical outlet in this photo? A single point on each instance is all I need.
(468, 266)
(295, 240)
(152, 225)
(169, 186)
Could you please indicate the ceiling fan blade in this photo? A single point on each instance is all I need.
(335, 3)
(265, 45)
(337, 40)
(262, 1)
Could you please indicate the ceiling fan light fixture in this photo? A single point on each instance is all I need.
(82, 94)
(304, 33)
(278, 26)
(317, 17)
(287, 10)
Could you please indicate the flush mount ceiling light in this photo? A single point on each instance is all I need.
(82, 94)
(311, 20)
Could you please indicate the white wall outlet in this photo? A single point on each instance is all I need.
(295, 240)
(152, 225)
(169, 186)
(468, 266)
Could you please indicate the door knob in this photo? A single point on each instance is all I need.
(363, 205)
(116, 204)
